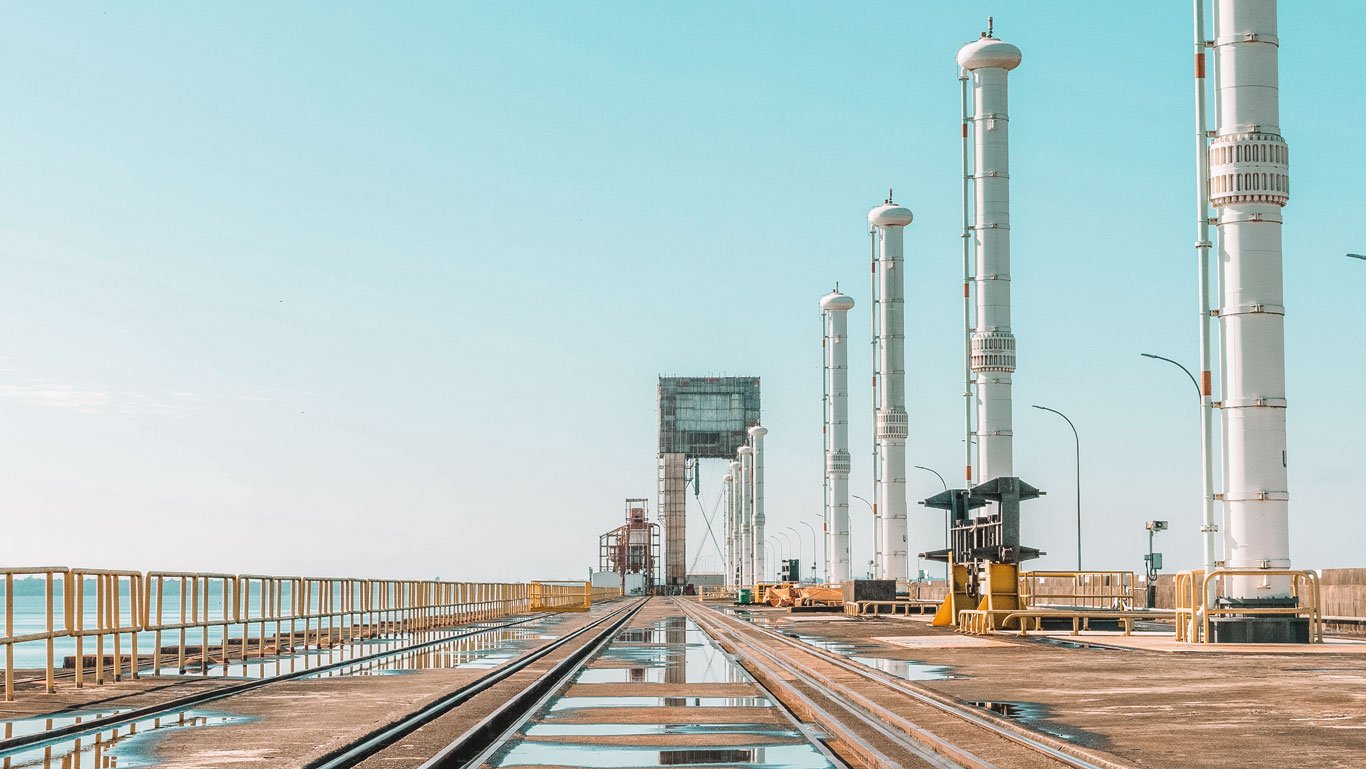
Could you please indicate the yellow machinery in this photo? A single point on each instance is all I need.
(997, 593)
(985, 552)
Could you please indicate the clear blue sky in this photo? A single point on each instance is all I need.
(384, 289)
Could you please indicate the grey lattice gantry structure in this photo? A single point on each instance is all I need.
(699, 418)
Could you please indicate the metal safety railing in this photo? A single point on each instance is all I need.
(1198, 595)
(97, 625)
(1112, 590)
(566, 596)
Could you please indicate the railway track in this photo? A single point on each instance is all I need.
(564, 656)
(851, 714)
(197, 699)
(876, 720)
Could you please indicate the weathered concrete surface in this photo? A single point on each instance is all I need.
(1252, 708)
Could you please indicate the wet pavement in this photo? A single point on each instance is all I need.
(131, 745)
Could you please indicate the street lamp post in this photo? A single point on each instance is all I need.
(814, 561)
(1077, 440)
(1207, 525)
(788, 541)
(871, 509)
(948, 515)
(798, 532)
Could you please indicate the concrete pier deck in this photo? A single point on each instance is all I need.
(663, 691)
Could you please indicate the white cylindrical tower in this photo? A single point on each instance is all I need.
(1249, 184)
(756, 439)
(836, 307)
(733, 554)
(728, 485)
(993, 344)
(889, 221)
(743, 492)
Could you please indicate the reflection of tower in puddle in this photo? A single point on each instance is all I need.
(676, 658)
(711, 756)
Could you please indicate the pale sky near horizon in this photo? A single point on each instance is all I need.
(377, 290)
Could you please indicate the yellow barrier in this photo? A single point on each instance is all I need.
(197, 619)
(47, 635)
(1112, 590)
(561, 596)
(1081, 618)
(715, 593)
(1197, 594)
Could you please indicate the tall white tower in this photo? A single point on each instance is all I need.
(993, 344)
(756, 439)
(1249, 184)
(733, 554)
(889, 221)
(728, 484)
(836, 306)
(744, 491)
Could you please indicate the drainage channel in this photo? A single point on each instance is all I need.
(662, 693)
(109, 736)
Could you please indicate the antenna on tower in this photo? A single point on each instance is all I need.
(991, 22)
(889, 195)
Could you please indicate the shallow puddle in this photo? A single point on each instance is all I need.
(595, 730)
(131, 745)
(573, 703)
(908, 670)
(530, 752)
(1036, 716)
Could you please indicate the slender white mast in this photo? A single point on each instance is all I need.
(836, 307)
(889, 221)
(1208, 528)
(1249, 185)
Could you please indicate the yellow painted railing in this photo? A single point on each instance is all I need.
(1198, 593)
(1113, 590)
(567, 596)
(124, 623)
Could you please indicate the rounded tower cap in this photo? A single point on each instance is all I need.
(728, 478)
(758, 431)
(744, 451)
(735, 467)
(837, 302)
(890, 214)
(987, 52)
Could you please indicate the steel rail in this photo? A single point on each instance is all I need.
(1015, 733)
(379, 739)
(98, 725)
(478, 743)
(476, 739)
(803, 728)
(913, 739)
